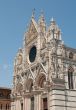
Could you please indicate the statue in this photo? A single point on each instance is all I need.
(19, 59)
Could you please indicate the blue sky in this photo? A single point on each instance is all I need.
(15, 16)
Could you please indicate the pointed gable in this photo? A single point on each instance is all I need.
(32, 31)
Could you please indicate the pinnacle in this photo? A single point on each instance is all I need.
(33, 13)
(41, 18)
(52, 20)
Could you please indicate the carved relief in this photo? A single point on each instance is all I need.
(52, 70)
(63, 52)
(43, 44)
(59, 50)
(53, 47)
(19, 69)
(19, 88)
(44, 56)
(59, 72)
(71, 55)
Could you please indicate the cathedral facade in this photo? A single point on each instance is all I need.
(44, 70)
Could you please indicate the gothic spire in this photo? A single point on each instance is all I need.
(33, 13)
(54, 30)
(53, 22)
(41, 19)
(41, 22)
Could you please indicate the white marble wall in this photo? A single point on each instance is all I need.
(62, 100)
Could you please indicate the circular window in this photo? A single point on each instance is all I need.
(32, 54)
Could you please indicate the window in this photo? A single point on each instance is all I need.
(42, 80)
(1, 94)
(31, 87)
(32, 103)
(71, 55)
(45, 106)
(6, 106)
(1, 106)
(21, 106)
(32, 54)
(70, 78)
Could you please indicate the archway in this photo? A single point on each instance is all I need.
(41, 80)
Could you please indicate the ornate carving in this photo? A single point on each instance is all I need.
(19, 59)
(19, 69)
(19, 88)
(31, 34)
(59, 50)
(43, 44)
(63, 52)
(53, 46)
(71, 55)
(59, 72)
(52, 70)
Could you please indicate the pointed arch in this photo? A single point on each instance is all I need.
(41, 78)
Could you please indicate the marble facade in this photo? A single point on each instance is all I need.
(44, 70)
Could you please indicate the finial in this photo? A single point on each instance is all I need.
(33, 13)
(41, 18)
(42, 12)
(52, 20)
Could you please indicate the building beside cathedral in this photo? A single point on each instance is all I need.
(44, 70)
(5, 100)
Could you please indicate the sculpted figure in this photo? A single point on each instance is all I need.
(20, 59)
(59, 51)
(60, 72)
(52, 70)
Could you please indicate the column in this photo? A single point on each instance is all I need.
(27, 103)
(18, 105)
(13, 106)
(37, 102)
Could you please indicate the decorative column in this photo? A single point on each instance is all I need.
(18, 105)
(13, 105)
(37, 102)
(27, 103)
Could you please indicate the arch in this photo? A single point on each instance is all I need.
(41, 79)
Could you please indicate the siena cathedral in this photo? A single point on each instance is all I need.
(44, 70)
